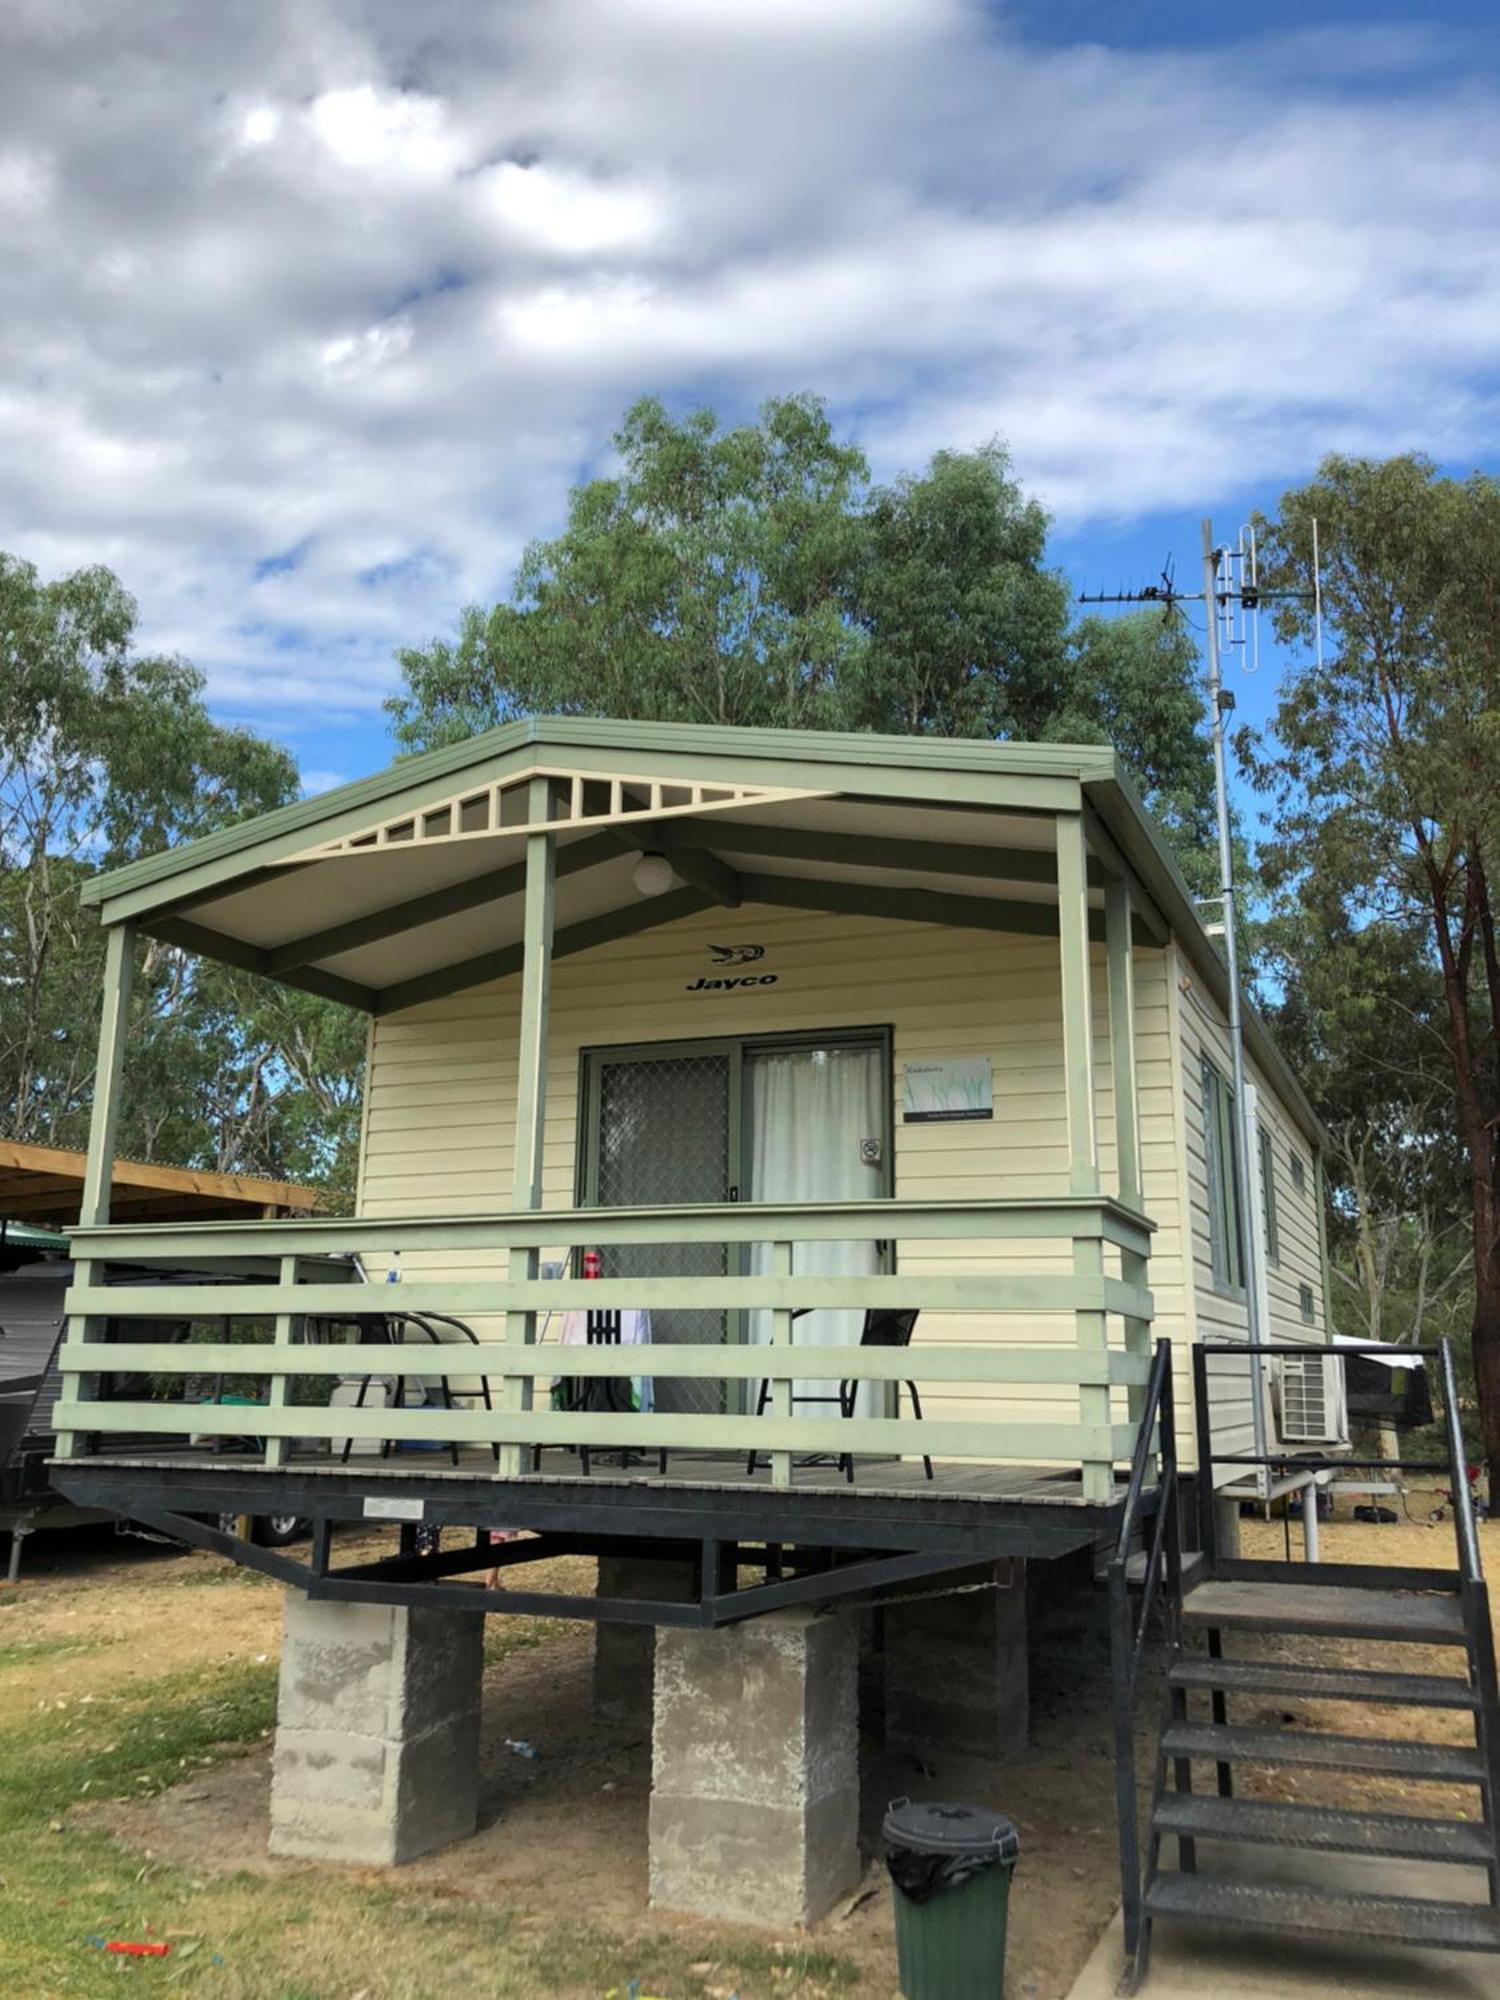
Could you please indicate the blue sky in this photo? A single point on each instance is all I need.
(314, 313)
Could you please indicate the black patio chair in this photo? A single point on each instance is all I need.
(885, 1326)
(597, 1393)
(389, 1330)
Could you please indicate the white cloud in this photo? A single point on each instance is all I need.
(312, 314)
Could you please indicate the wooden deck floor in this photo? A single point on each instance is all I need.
(1031, 1485)
(972, 1512)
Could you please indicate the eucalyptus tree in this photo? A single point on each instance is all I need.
(1384, 781)
(755, 576)
(108, 753)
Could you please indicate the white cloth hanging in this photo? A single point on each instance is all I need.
(816, 1130)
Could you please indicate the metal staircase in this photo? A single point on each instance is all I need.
(1230, 1629)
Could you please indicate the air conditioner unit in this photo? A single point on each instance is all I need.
(1312, 1407)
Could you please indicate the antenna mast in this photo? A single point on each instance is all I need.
(1236, 596)
(1220, 704)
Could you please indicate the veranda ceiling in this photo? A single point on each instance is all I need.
(408, 885)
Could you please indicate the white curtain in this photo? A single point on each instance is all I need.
(815, 1114)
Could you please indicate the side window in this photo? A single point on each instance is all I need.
(1224, 1203)
(1299, 1171)
(1305, 1301)
(1268, 1196)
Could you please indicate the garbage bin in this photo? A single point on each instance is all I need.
(950, 1867)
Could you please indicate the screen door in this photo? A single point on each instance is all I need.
(664, 1129)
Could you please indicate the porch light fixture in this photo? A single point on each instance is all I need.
(653, 875)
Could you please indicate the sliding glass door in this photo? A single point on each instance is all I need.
(792, 1118)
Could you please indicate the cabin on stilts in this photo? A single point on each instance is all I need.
(796, 1170)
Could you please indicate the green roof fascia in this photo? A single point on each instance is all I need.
(1140, 839)
(764, 756)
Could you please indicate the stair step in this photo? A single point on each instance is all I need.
(1337, 1611)
(1324, 1683)
(1445, 1763)
(1386, 1919)
(1262, 1822)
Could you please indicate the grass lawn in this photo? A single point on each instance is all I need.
(122, 1690)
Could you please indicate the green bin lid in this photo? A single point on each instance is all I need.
(938, 1829)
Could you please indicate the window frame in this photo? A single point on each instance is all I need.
(1226, 1207)
(1266, 1148)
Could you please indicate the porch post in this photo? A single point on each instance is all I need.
(781, 1392)
(104, 1118)
(536, 987)
(1092, 1329)
(531, 1077)
(1122, 1037)
(1077, 1003)
(1117, 918)
(104, 1115)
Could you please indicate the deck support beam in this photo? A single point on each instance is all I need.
(531, 1076)
(104, 1119)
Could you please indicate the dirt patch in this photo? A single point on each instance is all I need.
(566, 1832)
(563, 1836)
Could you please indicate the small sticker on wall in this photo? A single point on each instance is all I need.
(871, 1152)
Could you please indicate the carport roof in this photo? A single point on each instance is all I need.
(44, 1184)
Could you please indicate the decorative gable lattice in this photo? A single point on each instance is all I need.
(575, 800)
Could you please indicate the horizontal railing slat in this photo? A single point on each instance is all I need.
(980, 1365)
(299, 1270)
(1047, 1442)
(952, 1292)
(1061, 1217)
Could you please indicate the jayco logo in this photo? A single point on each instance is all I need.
(734, 954)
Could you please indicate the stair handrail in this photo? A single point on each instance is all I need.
(1156, 1437)
(1464, 1527)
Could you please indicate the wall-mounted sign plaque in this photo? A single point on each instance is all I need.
(955, 1087)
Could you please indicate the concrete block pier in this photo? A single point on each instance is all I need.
(955, 1667)
(755, 1768)
(377, 1731)
(625, 1655)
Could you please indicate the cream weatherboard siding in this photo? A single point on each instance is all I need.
(1221, 1315)
(441, 1093)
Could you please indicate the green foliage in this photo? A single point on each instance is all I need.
(754, 577)
(707, 583)
(965, 630)
(1384, 783)
(106, 754)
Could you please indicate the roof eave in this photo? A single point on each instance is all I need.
(223, 857)
(1140, 839)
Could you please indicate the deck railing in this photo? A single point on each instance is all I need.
(287, 1274)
